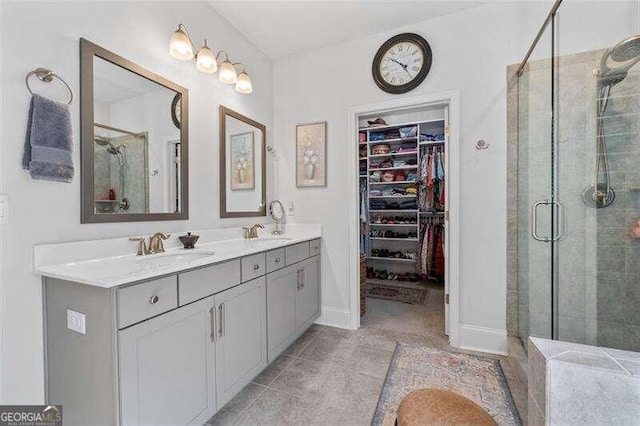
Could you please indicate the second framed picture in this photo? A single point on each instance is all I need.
(311, 153)
(242, 162)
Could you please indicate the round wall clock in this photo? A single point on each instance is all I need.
(402, 63)
(176, 110)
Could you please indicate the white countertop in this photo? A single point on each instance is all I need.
(111, 263)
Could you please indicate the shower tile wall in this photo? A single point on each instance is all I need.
(598, 261)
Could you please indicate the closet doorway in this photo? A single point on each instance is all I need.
(406, 248)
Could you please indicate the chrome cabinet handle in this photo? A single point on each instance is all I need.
(212, 315)
(561, 225)
(153, 300)
(222, 310)
(256, 267)
(300, 279)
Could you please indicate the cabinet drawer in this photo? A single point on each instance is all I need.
(314, 247)
(297, 252)
(275, 260)
(141, 301)
(204, 282)
(253, 266)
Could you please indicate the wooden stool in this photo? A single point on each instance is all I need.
(440, 407)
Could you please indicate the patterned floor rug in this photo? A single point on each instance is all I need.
(412, 296)
(477, 378)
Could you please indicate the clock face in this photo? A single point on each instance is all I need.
(176, 110)
(402, 63)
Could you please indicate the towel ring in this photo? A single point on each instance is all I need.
(47, 76)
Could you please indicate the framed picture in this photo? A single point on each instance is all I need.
(242, 168)
(311, 154)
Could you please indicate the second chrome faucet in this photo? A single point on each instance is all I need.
(155, 243)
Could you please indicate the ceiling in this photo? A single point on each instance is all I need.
(284, 28)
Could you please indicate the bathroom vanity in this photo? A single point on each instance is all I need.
(171, 338)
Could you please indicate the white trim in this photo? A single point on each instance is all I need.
(452, 98)
(334, 317)
(483, 339)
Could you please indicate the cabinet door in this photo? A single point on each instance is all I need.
(308, 303)
(241, 347)
(281, 309)
(167, 373)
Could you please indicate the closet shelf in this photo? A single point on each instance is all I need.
(373, 169)
(397, 126)
(394, 224)
(395, 140)
(393, 211)
(391, 259)
(396, 154)
(394, 239)
(373, 197)
(432, 213)
(394, 182)
(432, 143)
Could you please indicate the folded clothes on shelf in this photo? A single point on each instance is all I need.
(379, 149)
(375, 192)
(408, 132)
(392, 134)
(375, 177)
(412, 190)
(394, 254)
(408, 205)
(412, 162)
(411, 177)
(399, 163)
(362, 137)
(376, 204)
(439, 137)
(376, 136)
(426, 137)
(400, 176)
(386, 233)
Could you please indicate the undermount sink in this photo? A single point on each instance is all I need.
(171, 259)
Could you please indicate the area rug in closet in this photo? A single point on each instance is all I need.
(477, 378)
(398, 293)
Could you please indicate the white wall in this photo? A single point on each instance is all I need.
(471, 50)
(47, 34)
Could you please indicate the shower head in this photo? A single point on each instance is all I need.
(627, 51)
(102, 141)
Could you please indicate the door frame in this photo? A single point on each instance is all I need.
(451, 98)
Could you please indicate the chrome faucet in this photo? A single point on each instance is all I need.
(155, 244)
(251, 232)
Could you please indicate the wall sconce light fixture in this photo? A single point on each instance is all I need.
(181, 47)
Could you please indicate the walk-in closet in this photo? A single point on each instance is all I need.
(403, 208)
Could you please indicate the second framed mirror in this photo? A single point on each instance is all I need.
(243, 176)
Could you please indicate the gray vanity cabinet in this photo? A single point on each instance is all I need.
(241, 338)
(167, 367)
(293, 300)
(308, 294)
(281, 312)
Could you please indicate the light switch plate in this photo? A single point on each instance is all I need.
(76, 321)
(4, 209)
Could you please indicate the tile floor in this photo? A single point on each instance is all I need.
(334, 376)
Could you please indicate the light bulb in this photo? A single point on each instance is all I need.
(228, 73)
(206, 60)
(180, 46)
(244, 83)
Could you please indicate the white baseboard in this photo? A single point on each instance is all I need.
(483, 339)
(335, 317)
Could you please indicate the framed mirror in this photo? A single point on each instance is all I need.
(243, 175)
(134, 144)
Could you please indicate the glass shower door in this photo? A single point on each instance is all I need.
(535, 202)
(597, 109)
